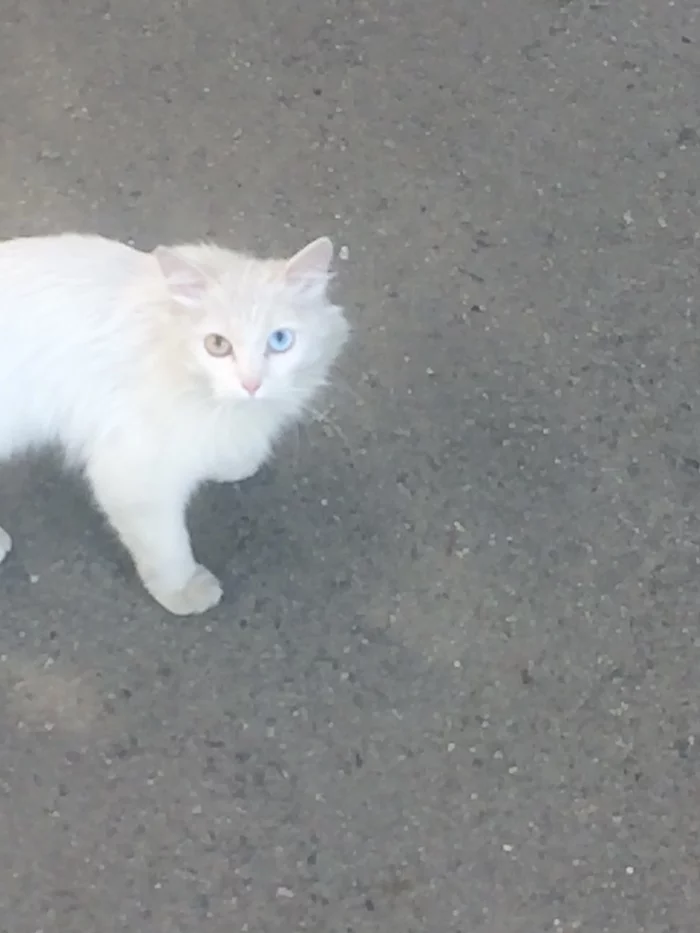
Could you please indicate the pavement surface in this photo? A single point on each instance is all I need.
(454, 682)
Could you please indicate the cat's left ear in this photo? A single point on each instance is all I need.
(312, 264)
(186, 283)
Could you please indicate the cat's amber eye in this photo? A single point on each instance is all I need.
(216, 345)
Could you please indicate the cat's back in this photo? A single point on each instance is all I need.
(70, 264)
(69, 287)
(66, 334)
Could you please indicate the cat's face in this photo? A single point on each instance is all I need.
(256, 330)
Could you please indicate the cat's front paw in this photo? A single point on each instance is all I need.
(5, 544)
(201, 592)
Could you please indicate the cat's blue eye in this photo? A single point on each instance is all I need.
(280, 340)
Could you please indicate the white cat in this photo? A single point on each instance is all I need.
(155, 372)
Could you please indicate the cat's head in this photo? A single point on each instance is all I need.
(255, 330)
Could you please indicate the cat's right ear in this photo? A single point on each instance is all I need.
(186, 283)
(311, 264)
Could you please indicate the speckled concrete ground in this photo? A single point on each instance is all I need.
(454, 683)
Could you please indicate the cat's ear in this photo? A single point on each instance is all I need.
(186, 283)
(312, 264)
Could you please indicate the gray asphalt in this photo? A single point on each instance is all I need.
(454, 682)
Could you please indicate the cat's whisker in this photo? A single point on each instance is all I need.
(341, 387)
(322, 418)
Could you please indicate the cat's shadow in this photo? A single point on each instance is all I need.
(289, 532)
(301, 518)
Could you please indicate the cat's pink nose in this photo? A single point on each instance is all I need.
(251, 384)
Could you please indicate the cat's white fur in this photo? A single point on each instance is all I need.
(102, 352)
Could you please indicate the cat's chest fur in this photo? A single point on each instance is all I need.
(225, 444)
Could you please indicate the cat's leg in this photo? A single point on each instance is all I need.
(148, 514)
(5, 453)
(5, 544)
